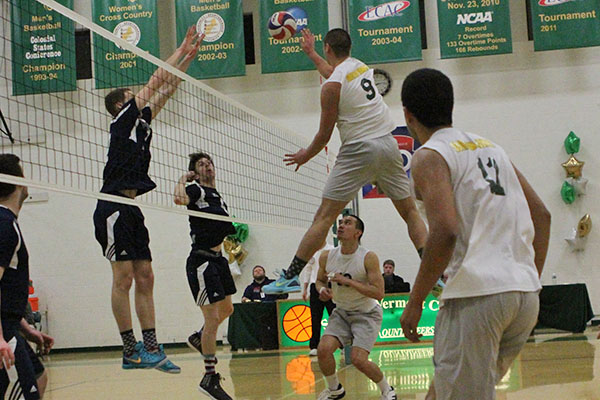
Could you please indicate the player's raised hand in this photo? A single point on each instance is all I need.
(299, 158)
(308, 41)
(6, 355)
(410, 320)
(190, 39)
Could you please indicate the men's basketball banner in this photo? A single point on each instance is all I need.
(134, 21)
(43, 49)
(563, 24)
(474, 27)
(385, 31)
(280, 26)
(295, 327)
(222, 22)
(407, 145)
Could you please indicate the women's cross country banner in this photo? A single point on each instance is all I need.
(563, 24)
(385, 31)
(43, 49)
(474, 27)
(222, 22)
(280, 46)
(135, 21)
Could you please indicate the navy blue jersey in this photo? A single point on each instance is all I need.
(207, 233)
(129, 151)
(14, 286)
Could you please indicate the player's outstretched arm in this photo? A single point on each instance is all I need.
(160, 76)
(308, 46)
(541, 222)
(180, 196)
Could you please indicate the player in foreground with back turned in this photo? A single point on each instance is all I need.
(488, 232)
(356, 288)
(369, 152)
(120, 228)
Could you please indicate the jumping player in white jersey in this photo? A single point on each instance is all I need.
(356, 286)
(488, 232)
(369, 152)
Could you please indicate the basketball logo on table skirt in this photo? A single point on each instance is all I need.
(297, 324)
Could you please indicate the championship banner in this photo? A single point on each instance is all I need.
(385, 31)
(43, 49)
(407, 145)
(136, 22)
(222, 22)
(564, 24)
(295, 327)
(471, 28)
(285, 19)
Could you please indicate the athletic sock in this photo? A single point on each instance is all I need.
(128, 342)
(295, 268)
(209, 364)
(150, 342)
(333, 382)
(384, 386)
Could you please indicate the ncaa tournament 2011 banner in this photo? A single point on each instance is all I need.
(385, 31)
(43, 49)
(563, 24)
(135, 21)
(407, 145)
(283, 55)
(474, 27)
(222, 22)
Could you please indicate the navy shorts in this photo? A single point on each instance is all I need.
(121, 232)
(28, 368)
(209, 277)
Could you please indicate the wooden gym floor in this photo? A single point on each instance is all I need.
(551, 366)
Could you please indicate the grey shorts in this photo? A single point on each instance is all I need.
(355, 327)
(477, 339)
(375, 160)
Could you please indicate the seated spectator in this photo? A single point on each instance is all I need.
(393, 283)
(254, 291)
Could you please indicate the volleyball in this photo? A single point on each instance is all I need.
(282, 25)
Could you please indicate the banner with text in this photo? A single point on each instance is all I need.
(222, 22)
(135, 21)
(385, 31)
(474, 27)
(285, 54)
(564, 24)
(43, 49)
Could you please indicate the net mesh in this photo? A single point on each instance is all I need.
(60, 125)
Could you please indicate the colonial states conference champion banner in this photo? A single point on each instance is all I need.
(135, 21)
(222, 22)
(287, 55)
(43, 49)
(474, 27)
(563, 24)
(385, 31)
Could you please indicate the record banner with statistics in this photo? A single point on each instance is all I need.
(43, 49)
(222, 51)
(564, 24)
(385, 31)
(135, 22)
(287, 55)
(471, 28)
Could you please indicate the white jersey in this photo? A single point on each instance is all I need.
(362, 114)
(494, 251)
(311, 270)
(353, 266)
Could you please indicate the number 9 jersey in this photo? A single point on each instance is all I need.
(362, 113)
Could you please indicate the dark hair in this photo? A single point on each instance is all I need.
(428, 95)
(359, 224)
(194, 157)
(390, 262)
(114, 97)
(339, 41)
(9, 165)
(258, 266)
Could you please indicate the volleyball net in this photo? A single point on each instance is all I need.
(54, 119)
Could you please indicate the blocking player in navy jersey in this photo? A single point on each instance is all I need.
(120, 228)
(30, 379)
(207, 270)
